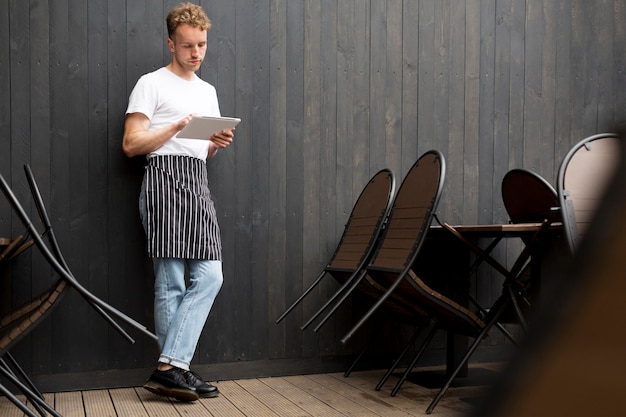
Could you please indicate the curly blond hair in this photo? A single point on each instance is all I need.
(187, 14)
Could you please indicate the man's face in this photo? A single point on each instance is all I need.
(188, 46)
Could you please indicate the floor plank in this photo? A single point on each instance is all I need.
(220, 406)
(69, 404)
(7, 409)
(98, 404)
(127, 402)
(245, 401)
(275, 401)
(300, 397)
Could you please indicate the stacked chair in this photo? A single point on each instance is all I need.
(21, 320)
(402, 238)
(392, 252)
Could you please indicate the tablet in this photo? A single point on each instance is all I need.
(202, 127)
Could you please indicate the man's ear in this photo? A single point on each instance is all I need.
(170, 44)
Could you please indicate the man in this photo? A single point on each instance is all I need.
(175, 202)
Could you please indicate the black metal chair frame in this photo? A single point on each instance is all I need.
(354, 226)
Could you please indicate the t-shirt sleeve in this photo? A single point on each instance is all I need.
(143, 98)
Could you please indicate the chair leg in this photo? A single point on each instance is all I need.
(346, 293)
(470, 351)
(28, 393)
(27, 411)
(418, 355)
(304, 294)
(355, 361)
(399, 358)
(16, 366)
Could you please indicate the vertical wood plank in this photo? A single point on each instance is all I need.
(75, 167)
(426, 98)
(258, 133)
(563, 93)
(97, 177)
(378, 70)
(452, 200)
(546, 159)
(6, 285)
(578, 73)
(331, 224)
(311, 148)
(441, 82)
(619, 71)
(410, 87)
(39, 160)
(502, 81)
(227, 342)
(486, 111)
(19, 151)
(294, 128)
(472, 104)
(604, 28)
(393, 84)
(277, 245)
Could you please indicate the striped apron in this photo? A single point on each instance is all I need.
(181, 221)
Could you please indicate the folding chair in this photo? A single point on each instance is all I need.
(404, 233)
(399, 245)
(528, 198)
(359, 237)
(583, 177)
(21, 321)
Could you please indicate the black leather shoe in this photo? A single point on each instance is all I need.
(171, 383)
(204, 389)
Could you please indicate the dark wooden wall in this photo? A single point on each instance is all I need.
(329, 93)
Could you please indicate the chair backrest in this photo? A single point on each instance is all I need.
(583, 177)
(527, 197)
(365, 223)
(411, 214)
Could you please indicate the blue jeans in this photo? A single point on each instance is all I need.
(180, 312)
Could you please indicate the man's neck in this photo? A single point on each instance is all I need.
(180, 72)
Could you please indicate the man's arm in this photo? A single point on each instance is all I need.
(138, 140)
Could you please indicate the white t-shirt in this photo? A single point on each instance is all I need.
(166, 98)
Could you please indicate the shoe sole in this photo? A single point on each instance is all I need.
(210, 394)
(178, 393)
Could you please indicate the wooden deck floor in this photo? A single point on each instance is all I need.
(302, 395)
